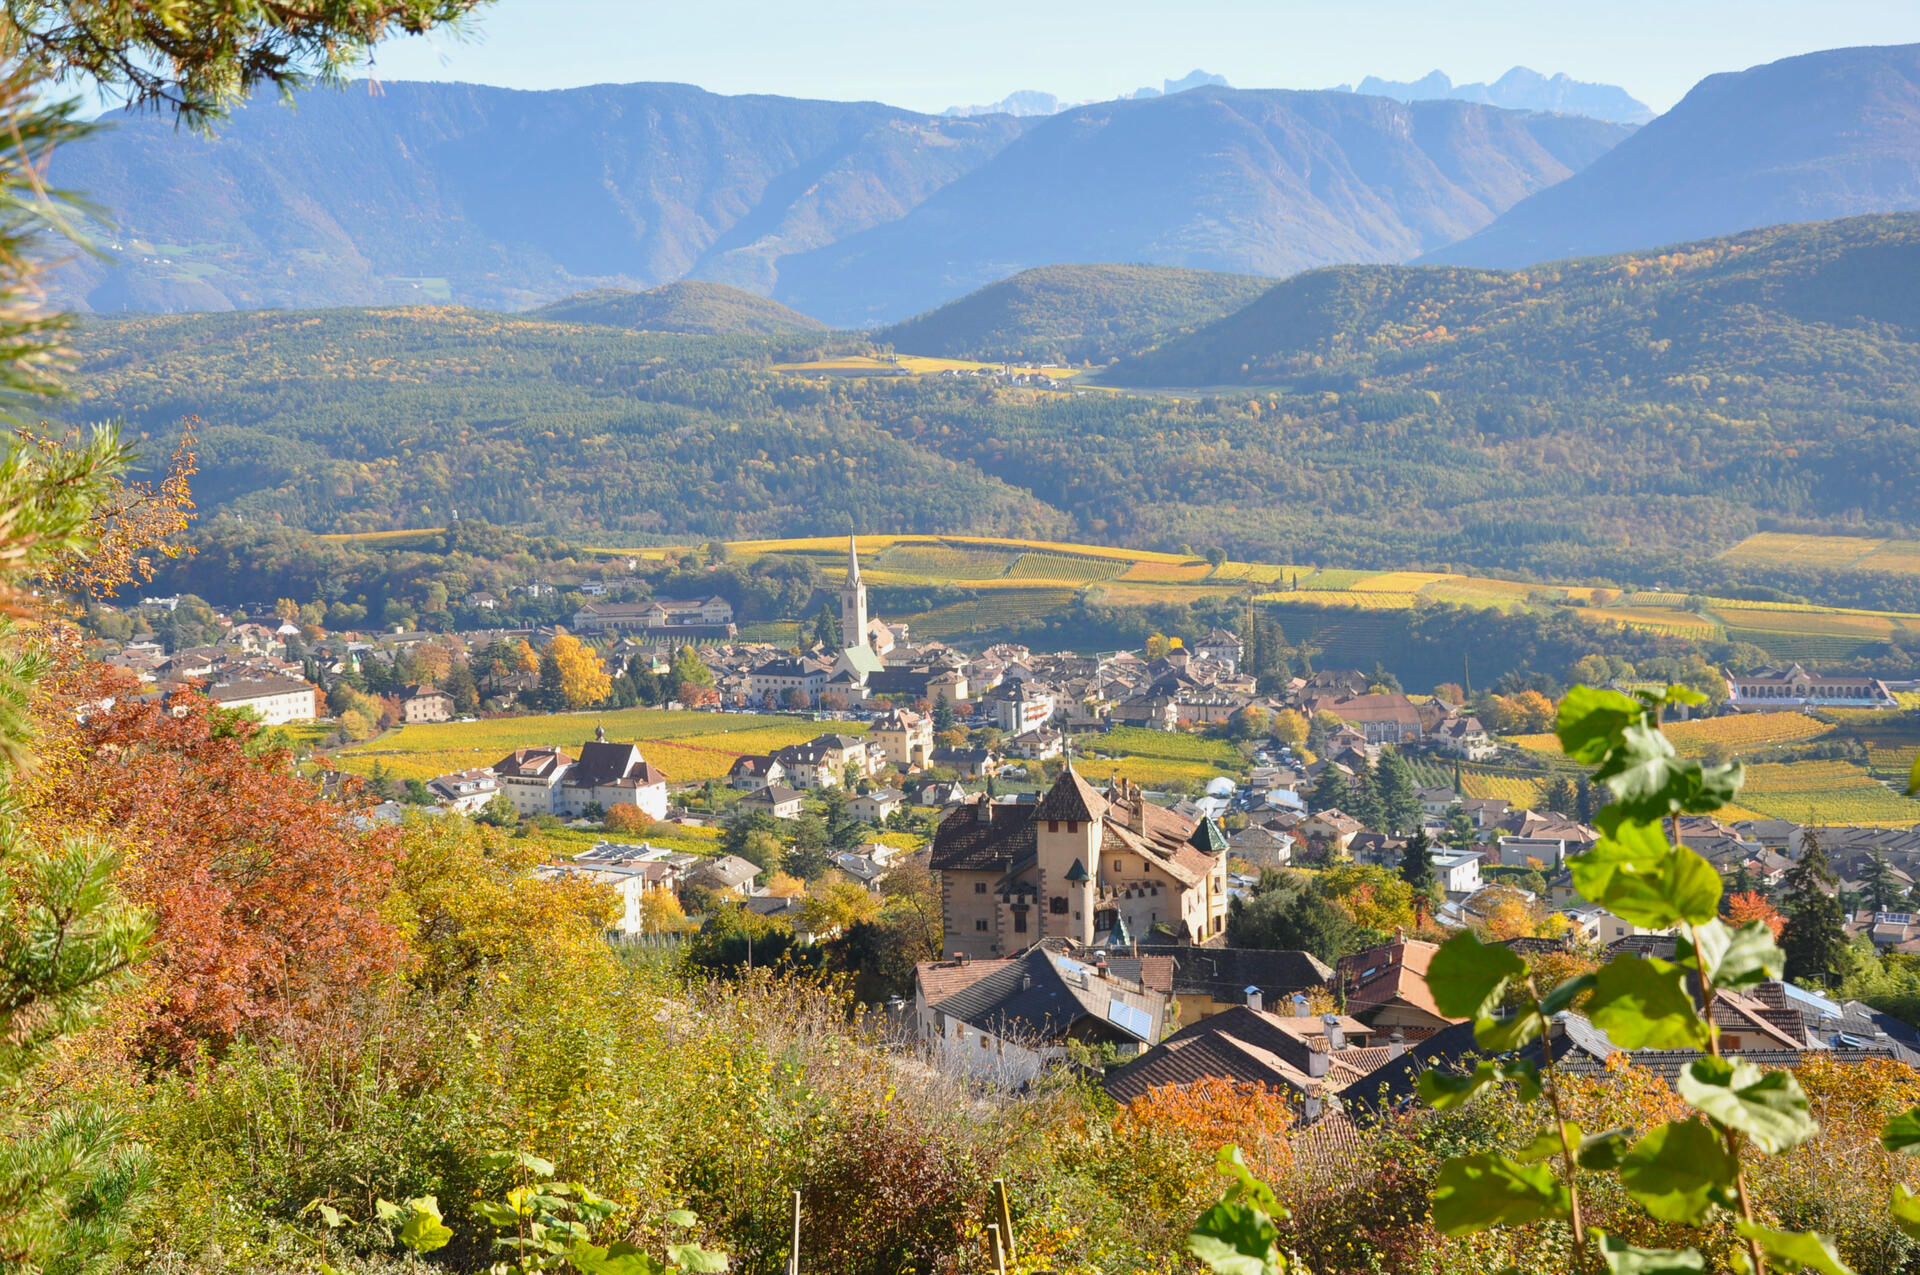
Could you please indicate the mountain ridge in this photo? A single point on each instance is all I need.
(695, 307)
(1815, 137)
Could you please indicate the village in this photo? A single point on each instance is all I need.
(1084, 920)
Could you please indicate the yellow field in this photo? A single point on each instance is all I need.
(689, 747)
(1058, 567)
(1402, 581)
(1777, 548)
(1260, 572)
(1512, 789)
(1744, 733)
(1187, 572)
(1342, 598)
(1897, 557)
(1807, 621)
(914, 364)
(1150, 772)
(1660, 620)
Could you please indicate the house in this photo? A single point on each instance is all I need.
(608, 775)
(865, 869)
(1018, 706)
(1437, 800)
(1383, 717)
(1308, 1056)
(972, 763)
(874, 807)
(464, 790)
(728, 874)
(1330, 833)
(1793, 688)
(822, 762)
(901, 738)
(755, 771)
(1263, 846)
(787, 676)
(712, 616)
(1080, 864)
(1222, 647)
(1006, 1021)
(1462, 735)
(1485, 812)
(275, 700)
(1386, 986)
(1537, 852)
(631, 881)
(531, 779)
(777, 800)
(425, 704)
(1040, 744)
(1205, 981)
(1457, 871)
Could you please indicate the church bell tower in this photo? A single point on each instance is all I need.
(853, 602)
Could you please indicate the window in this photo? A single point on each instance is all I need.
(1020, 921)
(1053, 825)
(1057, 905)
(1073, 825)
(980, 925)
(979, 887)
(983, 1042)
(1116, 867)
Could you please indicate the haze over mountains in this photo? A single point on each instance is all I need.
(1521, 89)
(1829, 134)
(507, 199)
(861, 214)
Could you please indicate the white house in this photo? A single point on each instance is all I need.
(276, 701)
(874, 807)
(1458, 871)
(531, 779)
(464, 790)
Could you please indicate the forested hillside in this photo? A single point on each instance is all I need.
(1829, 134)
(1623, 418)
(1073, 314)
(693, 307)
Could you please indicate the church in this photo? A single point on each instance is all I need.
(864, 640)
(1098, 867)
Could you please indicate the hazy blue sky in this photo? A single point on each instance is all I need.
(927, 56)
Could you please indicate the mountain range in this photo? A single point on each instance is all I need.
(505, 199)
(1829, 134)
(1521, 89)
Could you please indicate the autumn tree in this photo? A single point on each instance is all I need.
(1751, 905)
(573, 673)
(267, 894)
(1372, 898)
(625, 817)
(836, 905)
(1289, 727)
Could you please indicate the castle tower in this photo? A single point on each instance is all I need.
(1067, 832)
(853, 602)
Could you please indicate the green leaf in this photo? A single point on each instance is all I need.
(423, 1231)
(1623, 1258)
(1734, 959)
(1445, 1090)
(1906, 1210)
(1902, 1132)
(692, 1257)
(1506, 1034)
(386, 1210)
(1678, 694)
(1478, 1192)
(1592, 720)
(621, 1258)
(1642, 1003)
(1245, 1186)
(533, 1163)
(680, 1217)
(333, 1217)
(1602, 1152)
(1797, 1250)
(1467, 976)
(1913, 780)
(1767, 1106)
(1678, 1170)
(496, 1213)
(1235, 1238)
(1633, 872)
(1563, 996)
(1546, 1144)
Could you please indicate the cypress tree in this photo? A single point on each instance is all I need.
(1883, 889)
(1399, 795)
(1815, 933)
(1329, 791)
(1416, 865)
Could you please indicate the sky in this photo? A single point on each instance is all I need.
(927, 56)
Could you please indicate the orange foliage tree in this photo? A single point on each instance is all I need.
(267, 894)
(1751, 905)
(1168, 1138)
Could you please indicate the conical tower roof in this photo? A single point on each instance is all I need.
(1207, 837)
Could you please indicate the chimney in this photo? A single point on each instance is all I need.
(1300, 1009)
(1319, 1059)
(1100, 966)
(983, 811)
(1255, 1001)
(1336, 1034)
(963, 958)
(1311, 1108)
(1396, 1045)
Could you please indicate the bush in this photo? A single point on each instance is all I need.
(628, 818)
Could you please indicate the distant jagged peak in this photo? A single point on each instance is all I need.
(1520, 89)
(1029, 102)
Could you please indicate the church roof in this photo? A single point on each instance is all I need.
(1207, 837)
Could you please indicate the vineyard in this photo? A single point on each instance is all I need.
(689, 747)
(1148, 772)
(1175, 745)
(1067, 567)
(1826, 792)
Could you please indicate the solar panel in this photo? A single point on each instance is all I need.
(1128, 1019)
(1897, 918)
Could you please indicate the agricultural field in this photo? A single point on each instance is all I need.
(937, 562)
(991, 614)
(1746, 733)
(1070, 568)
(689, 747)
(1174, 745)
(1148, 772)
(1826, 792)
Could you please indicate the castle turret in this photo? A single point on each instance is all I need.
(1067, 829)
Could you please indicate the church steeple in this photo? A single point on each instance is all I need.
(853, 601)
